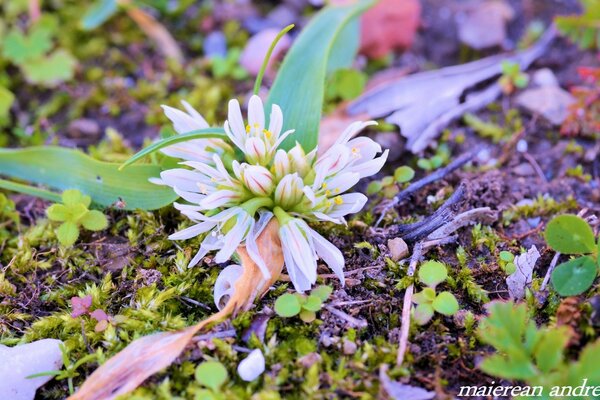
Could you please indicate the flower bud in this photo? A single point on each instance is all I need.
(289, 191)
(281, 164)
(298, 160)
(258, 180)
(256, 151)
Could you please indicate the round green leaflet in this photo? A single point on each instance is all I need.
(445, 303)
(570, 234)
(287, 305)
(211, 374)
(575, 276)
(433, 273)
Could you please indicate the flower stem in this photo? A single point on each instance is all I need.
(252, 205)
(263, 68)
(282, 216)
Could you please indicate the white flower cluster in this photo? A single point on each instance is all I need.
(234, 200)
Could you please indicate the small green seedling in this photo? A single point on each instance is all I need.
(211, 374)
(229, 66)
(391, 185)
(289, 305)
(432, 273)
(345, 84)
(74, 213)
(506, 261)
(582, 29)
(512, 77)
(441, 157)
(570, 234)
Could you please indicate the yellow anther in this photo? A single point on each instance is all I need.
(337, 190)
(328, 193)
(324, 185)
(338, 200)
(248, 128)
(267, 133)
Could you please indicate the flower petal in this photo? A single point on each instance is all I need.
(225, 284)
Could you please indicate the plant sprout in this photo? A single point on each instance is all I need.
(236, 186)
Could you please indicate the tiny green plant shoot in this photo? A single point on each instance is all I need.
(506, 261)
(74, 213)
(570, 234)
(391, 185)
(584, 29)
(289, 305)
(432, 273)
(533, 355)
(512, 77)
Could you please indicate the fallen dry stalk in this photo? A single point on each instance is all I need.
(145, 356)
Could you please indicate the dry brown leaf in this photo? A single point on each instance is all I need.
(157, 32)
(150, 354)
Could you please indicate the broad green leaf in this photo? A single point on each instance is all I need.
(575, 276)
(445, 303)
(345, 48)
(312, 303)
(211, 374)
(30, 190)
(300, 83)
(50, 70)
(62, 168)
(427, 295)
(287, 305)
(6, 100)
(433, 273)
(322, 292)
(345, 84)
(67, 233)
(209, 133)
(570, 234)
(423, 313)
(99, 13)
(404, 174)
(94, 220)
(57, 212)
(75, 212)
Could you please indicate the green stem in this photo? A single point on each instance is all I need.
(252, 205)
(263, 68)
(281, 215)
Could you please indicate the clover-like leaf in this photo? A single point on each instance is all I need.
(57, 212)
(433, 273)
(287, 305)
(570, 234)
(307, 315)
(312, 303)
(20, 48)
(67, 233)
(445, 303)
(211, 374)
(94, 220)
(52, 69)
(72, 197)
(423, 313)
(404, 174)
(427, 295)
(575, 276)
(322, 292)
(6, 100)
(507, 256)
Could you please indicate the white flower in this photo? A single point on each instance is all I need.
(232, 201)
(252, 366)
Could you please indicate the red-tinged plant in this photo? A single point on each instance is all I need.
(584, 113)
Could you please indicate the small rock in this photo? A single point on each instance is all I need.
(309, 360)
(349, 347)
(551, 102)
(215, 45)
(83, 128)
(19, 362)
(254, 53)
(521, 278)
(522, 146)
(252, 366)
(524, 169)
(544, 77)
(398, 248)
(484, 25)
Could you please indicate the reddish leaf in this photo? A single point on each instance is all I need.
(99, 315)
(80, 305)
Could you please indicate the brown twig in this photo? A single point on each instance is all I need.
(407, 304)
(349, 319)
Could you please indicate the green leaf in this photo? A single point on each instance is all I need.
(575, 276)
(445, 303)
(423, 313)
(502, 367)
(211, 374)
(67, 233)
(404, 174)
(71, 197)
(75, 212)
(20, 49)
(300, 83)
(322, 292)
(30, 190)
(570, 234)
(427, 295)
(99, 13)
(549, 350)
(57, 212)
(209, 133)
(287, 305)
(346, 84)
(63, 168)
(312, 303)
(308, 316)
(50, 70)
(6, 101)
(374, 187)
(346, 45)
(94, 220)
(433, 273)
(507, 256)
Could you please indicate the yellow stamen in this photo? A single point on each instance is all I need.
(324, 185)
(338, 200)
(248, 128)
(267, 133)
(328, 193)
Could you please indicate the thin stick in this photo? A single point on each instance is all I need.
(353, 322)
(407, 304)
(263, 68)
(549, 272)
